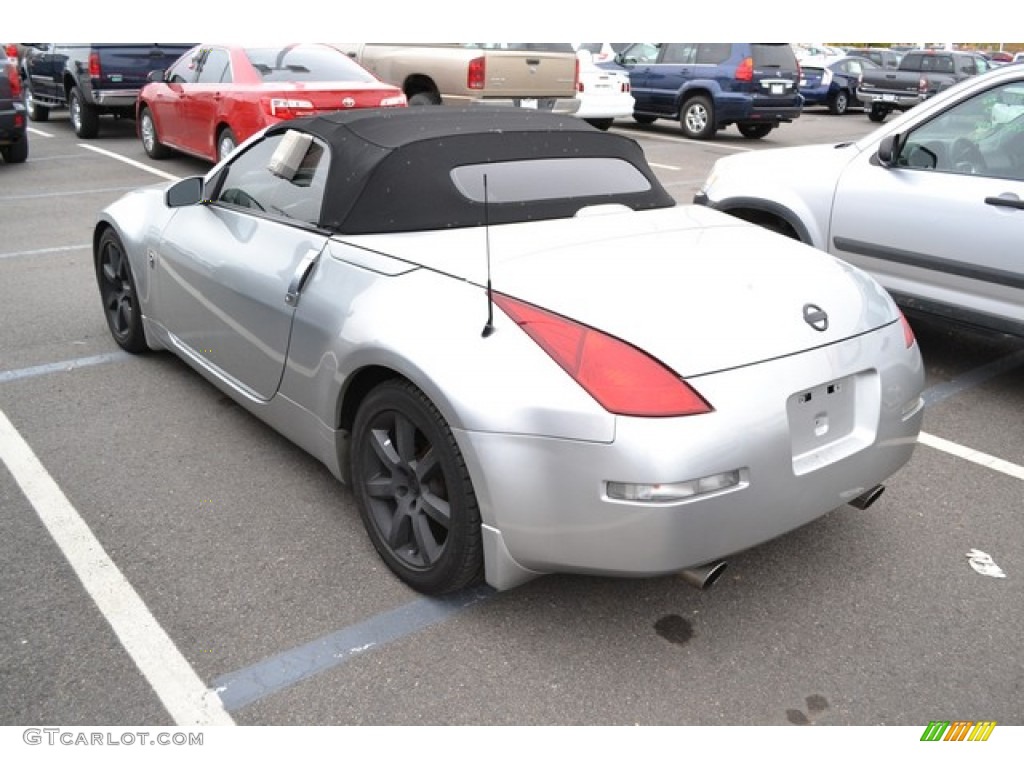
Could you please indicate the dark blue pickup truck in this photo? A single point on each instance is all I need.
(91, 79)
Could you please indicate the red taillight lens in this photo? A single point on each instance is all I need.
(476, 75)
(94, 65)
(908, 333)
(745, 71)
(11, 50)
(922, 85)
(15, 81)
(622, 378)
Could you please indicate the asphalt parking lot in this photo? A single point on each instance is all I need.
(242, 566)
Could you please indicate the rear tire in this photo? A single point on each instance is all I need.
(644, 119)
(839, 103)
(414, 492)
(150, 139)
(226, 143)
(602, 123)
(16, 152)
(877, 114)
(85, 119)
(424, 98)
(754, 131)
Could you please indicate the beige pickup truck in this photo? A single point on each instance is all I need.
(529, 75)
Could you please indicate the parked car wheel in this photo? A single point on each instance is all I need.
(697, 118)
(644, 119)
(754, 130)
(118, 293)
(424, 97)
(37, 113)
(839, 103)
(84, 117)
(150, 140)
(413, 490)
(603, 123)
(226, 143)
(877, 113)
(16, 152)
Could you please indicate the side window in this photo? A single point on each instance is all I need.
(713, 53)
(678, 53)
(293, 188)
(184, 69)
(641, 53)
(216, 67)
(983, 136)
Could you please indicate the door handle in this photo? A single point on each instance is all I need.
(302, 272)
(1005, 202)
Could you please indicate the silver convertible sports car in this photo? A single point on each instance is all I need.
(521, 353)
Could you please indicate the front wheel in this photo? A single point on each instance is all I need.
(697, 118)
(754, 131)
(414, 492)
(85, 119)
(118, 293)
(37, 113)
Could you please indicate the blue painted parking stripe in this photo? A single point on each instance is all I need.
(973, 378)
(66, 365)
(238, 689)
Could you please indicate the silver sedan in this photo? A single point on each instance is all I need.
(521, 353)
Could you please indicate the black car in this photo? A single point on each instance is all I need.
(13, 134)
(708, 86)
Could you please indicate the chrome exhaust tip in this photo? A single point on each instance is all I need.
(867, 498)
(703, 576)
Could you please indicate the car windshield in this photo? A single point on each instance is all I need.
(306, 63)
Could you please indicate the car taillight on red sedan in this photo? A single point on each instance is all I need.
(286, 109)
(623, 379)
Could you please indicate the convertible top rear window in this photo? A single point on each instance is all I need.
(548, 179)
(422, 168)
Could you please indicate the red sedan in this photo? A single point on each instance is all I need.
(216, 96)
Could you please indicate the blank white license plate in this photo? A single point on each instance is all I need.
(777, 89)
(528, 103)
(888, 97)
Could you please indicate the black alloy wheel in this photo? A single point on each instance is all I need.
(414, 492)
(118, 293)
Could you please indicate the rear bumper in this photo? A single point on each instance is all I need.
(546, 505)
(542, 103)
(888, 100)
(120, 98)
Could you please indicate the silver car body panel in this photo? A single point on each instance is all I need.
(807, 419)
(933, 239)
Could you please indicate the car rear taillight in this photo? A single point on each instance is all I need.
(922, 86)
(287, 109)
(625, 86)
(14, 80)
(11, 51)
(576, 74)
(95, 71)
(476, 74)
(623, 379)
(745, 71)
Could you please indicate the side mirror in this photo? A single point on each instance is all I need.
(888, 150)
(156, 76)
(185, 192)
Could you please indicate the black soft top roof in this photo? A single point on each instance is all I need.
(391, 168)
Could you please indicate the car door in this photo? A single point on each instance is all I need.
(167, 100)
(230, 271)
(946, 223)
(664, 79)
(638, 60)
(201, 105)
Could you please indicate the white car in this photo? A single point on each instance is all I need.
(604, 94)
(932, 204)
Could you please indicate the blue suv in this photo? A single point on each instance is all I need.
(708, 86)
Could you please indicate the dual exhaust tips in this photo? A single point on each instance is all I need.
(703, 576)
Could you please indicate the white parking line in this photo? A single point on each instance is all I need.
(170, 675)
(37, 132)
(680, 140)
(969, 454)
(129, 161)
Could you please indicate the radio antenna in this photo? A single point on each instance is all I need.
(489, 325)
